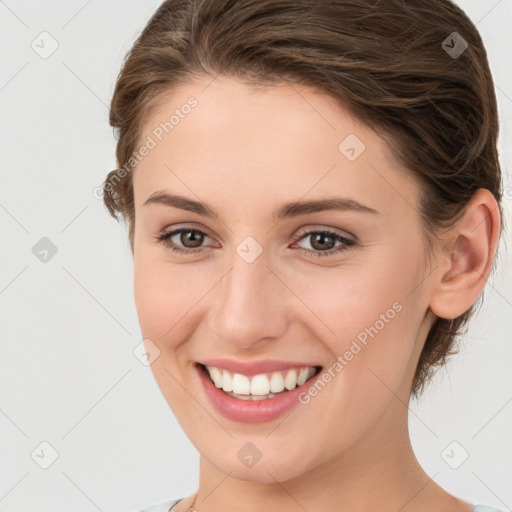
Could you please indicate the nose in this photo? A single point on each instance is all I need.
(250, 306)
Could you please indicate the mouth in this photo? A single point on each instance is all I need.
(254, 396)
(263, 386)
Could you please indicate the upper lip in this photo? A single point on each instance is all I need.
(254, 367)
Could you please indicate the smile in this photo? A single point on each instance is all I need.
(258, 397)
(261, 386)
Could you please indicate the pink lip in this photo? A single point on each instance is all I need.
(252, 411)
(255, 367)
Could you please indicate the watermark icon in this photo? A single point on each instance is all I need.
(44, 455)
(344, 359)
(44, 45)
(146, 352)
(351, 147)
(97, 192)
(454, 45)
(455, 455)
(249, 249)
(507, 192)
(249, 455)
(44, 250)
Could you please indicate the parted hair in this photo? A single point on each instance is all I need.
(390, 64)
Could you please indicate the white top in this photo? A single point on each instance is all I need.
(167, 505)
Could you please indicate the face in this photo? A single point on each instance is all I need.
(243, 278)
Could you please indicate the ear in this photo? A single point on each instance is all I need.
(465, 262)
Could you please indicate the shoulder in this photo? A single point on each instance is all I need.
(165, 506)
(485, 508)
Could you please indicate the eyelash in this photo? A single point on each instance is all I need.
(346, 242)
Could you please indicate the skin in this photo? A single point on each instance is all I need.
(246, 150)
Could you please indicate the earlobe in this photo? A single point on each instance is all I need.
(465, 261)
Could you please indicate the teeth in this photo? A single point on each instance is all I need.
(290, 382)
(241, 384)
(227, 381)
(215, 375)
(276, 382)
(303, 376)
(262, 385)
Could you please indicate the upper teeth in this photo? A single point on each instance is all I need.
(261, 384)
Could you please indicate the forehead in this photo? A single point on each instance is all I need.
(224, 136)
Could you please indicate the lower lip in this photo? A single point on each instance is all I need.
(252, 411)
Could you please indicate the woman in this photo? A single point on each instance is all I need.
(313, 196)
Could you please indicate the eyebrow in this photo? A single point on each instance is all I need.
(288, 210)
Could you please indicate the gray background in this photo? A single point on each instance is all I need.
(68, 326)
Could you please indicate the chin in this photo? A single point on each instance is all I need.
(272, 467)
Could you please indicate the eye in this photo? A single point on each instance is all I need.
(188, 237)
(323, 242)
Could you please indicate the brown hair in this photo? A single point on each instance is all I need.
(392, 64)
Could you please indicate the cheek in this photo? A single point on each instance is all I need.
(158, 295)
(348, 299)
(374, 323)
(163, 292)
(161, 299)
(366, 314)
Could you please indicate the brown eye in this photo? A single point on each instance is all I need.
(323, 242)
(183, 240)
(191, 238)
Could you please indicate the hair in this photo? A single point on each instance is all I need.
(388, 62)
